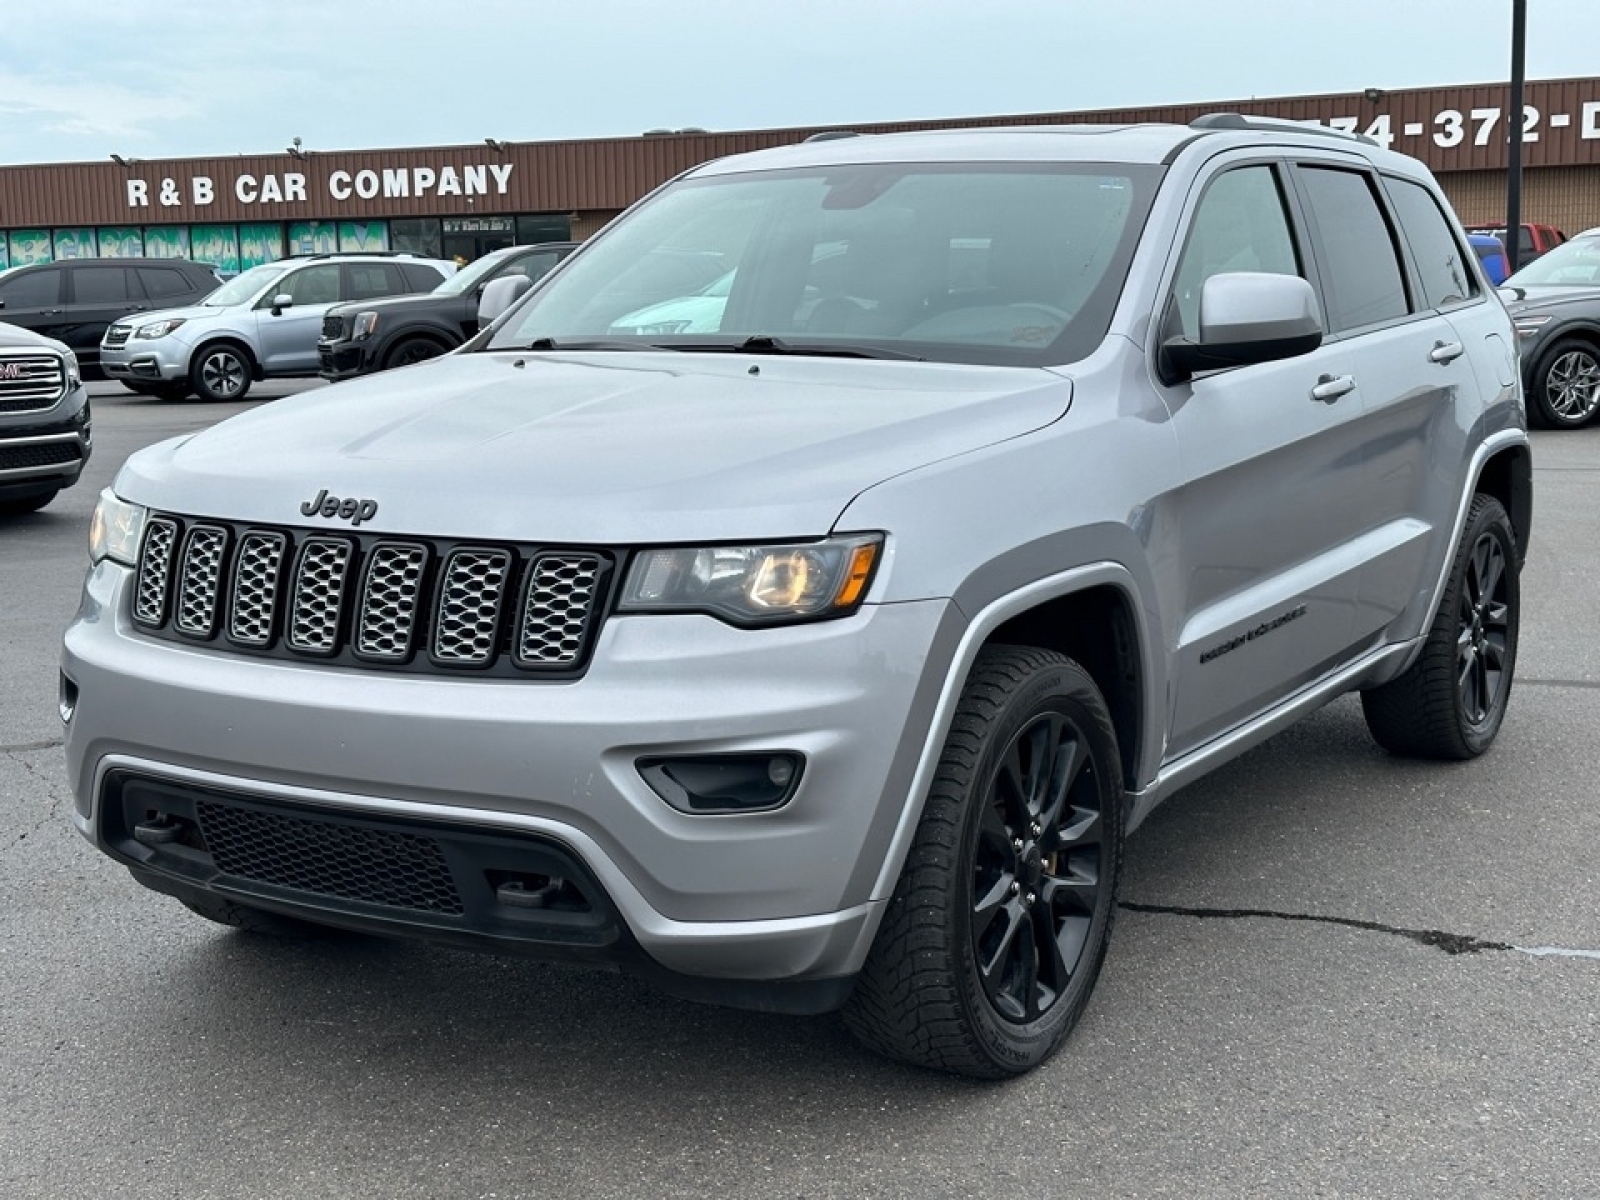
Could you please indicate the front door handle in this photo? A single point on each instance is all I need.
(1444, 352)
(1330, 387)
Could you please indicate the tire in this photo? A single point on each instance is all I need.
(219, 372)
(1449, 703)
(410, 351)
(997, 873)
(1566, 385)
(31, 502)
(253, 920)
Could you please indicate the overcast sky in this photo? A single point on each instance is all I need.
(82, 79)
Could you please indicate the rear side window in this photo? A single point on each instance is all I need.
(33, 290)
(1240, 225)
(420, 278)
(1361, 276)
(164, 281)
(103, 285)
(311, 285)
(368, 281)
(1446, 278)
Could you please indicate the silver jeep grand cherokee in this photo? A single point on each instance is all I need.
(821, 651)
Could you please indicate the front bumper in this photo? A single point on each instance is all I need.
(37, 454)
(783, 895)
(154, 360)
(342, 360)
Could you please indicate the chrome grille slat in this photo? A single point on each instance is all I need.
(155, 566)
(469, 606)
(118, 335)
(389, 596)
(198, 580)
(557, 602)
(31, 382)
(319, 584)
(256, 571)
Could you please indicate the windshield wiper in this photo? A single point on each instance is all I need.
(545, 343)
(765, 343)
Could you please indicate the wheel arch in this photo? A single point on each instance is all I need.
(1507, 475)
(425, 333)
(226, 339)
(1061, 613)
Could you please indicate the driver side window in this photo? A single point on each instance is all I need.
(1241, 225)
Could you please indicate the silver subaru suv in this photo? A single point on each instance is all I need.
(259, 325)
(822, 651)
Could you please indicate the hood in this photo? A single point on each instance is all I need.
(394, 304)
(595, 448)
(195, 312)
(15, 337)
(1520, 299)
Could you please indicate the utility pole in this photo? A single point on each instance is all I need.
(1519, 38)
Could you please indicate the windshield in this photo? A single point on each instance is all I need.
(244, 287)
(1572, 264)
(1008, 263)
(469, 276)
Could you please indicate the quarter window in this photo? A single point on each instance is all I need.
(163, 281)
(1241, 225)
(1446, 278)
(368, 281)
(1361, 279)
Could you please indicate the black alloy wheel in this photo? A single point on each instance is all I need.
(1006, 900)
(412, 351)
(1567, 385)
(1036, 869)
(1451, 701)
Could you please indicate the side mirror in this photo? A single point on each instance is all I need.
(499, 295)
(280, 302)
(1246, 317)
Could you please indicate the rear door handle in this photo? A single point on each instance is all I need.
(1330, 387)
(1444, 352)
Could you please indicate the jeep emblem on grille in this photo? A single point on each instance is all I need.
(350, 509)
(13, 370)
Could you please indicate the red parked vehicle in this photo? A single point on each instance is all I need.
(1535, 239)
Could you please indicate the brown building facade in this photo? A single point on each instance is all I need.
(465, 200)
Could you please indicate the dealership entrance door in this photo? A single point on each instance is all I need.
(473, 237)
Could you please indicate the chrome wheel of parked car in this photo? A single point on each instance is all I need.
(1450, 702)
(220, 373)
(1567, 391)
(995, 934)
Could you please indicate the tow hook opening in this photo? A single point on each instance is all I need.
(529, 889)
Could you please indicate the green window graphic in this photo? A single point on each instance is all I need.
(363, 235)
(30, 246)
(216, 246)
(313, 237)
(259, 243)
(74, 243)
(120, 242)
(167, 241)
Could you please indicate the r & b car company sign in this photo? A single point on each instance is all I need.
(294, 187)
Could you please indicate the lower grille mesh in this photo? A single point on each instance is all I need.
(375, 866)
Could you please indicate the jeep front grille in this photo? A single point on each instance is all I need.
(369, 600)
(31, 382)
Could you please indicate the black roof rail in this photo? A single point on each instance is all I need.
(833, 135)
(1233, 120)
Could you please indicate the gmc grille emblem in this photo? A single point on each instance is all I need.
(349, 509)
(14, 370)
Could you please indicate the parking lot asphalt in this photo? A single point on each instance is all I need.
(1335, 973)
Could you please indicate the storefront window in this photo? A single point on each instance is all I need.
(120, 241)
(260, 243)
(363, 235)
(215, 245)
(166, 241)
(313, 237)
(544, 228)
(74, 243)
(421, 237)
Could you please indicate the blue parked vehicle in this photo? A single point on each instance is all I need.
(1491, 253)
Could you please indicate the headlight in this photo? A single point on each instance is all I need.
(157, 329)
(74, 372)
(366, 325)
(1528, 326)
(755, 585)
(115, 530)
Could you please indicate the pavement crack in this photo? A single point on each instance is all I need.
(25, 747)
(1450, 943)
(51, 815)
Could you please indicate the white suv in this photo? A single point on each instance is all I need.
(263, 323)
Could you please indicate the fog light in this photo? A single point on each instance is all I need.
(704, 784)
